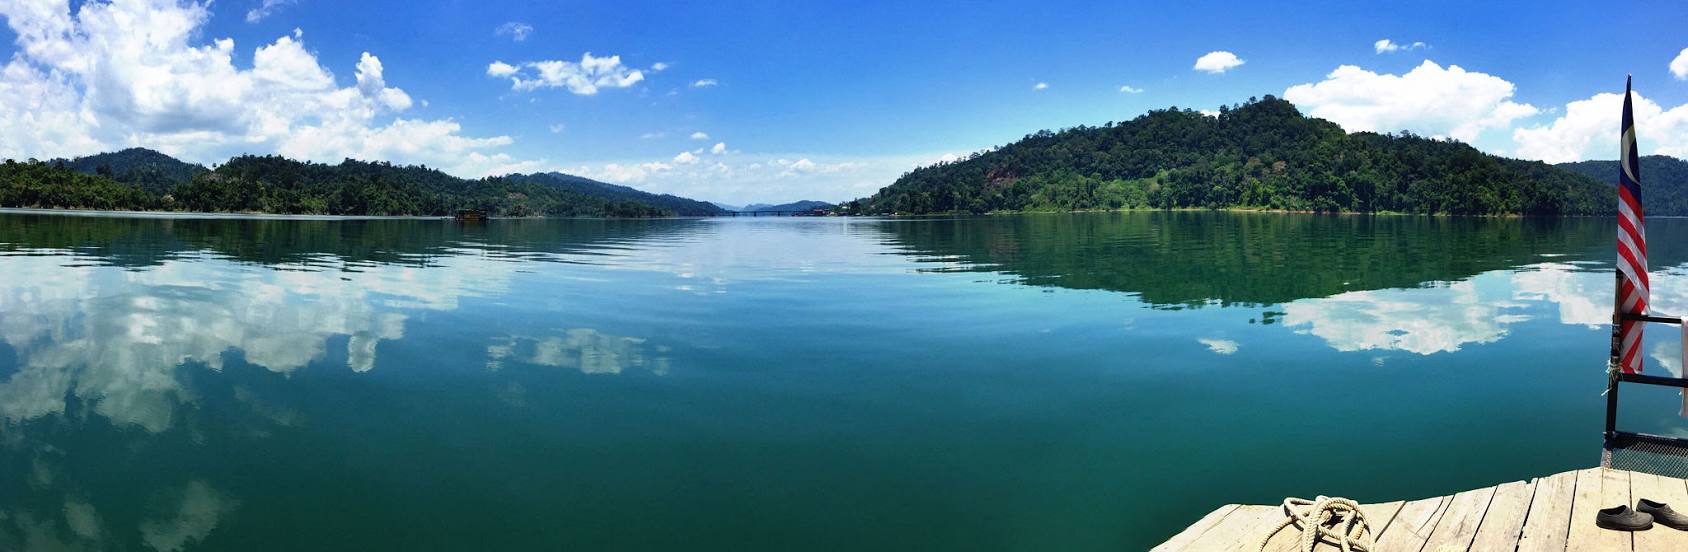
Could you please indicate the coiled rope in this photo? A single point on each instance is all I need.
(1317, 517)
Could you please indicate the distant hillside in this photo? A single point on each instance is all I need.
(678, 205)
(793, 206)
(804, 205)
(1664, 181)
(273, 184)
(1262, 154)
(140, 167)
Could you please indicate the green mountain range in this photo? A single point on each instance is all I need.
(585, 186)
(1261, 154)
(146, 180)
(1664, 181)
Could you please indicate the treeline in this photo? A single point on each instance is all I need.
(139, 167)
(1664, 181)
(679, 205)
(273, 184)
(37, 184)
(1261, 154)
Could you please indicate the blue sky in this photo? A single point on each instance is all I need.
(809, 100)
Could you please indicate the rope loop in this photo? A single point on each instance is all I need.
(1319, 517)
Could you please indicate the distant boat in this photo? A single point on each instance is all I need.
(470, 215)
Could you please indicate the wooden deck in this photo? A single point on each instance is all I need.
(1550, 513)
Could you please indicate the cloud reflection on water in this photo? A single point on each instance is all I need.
(1443, 317)
(1435, 319)
(584, 349)
(194, 512)
(116, 339)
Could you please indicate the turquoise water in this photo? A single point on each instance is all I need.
(1056, 382)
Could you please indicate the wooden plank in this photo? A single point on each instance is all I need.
(1614, 490)
(1287, 540)
(1504, 522)
(1412, 526)
(1460, 519)
(1597, 488)
(1670, 491)
(1379, 516)
(1547, 525)
(1183, 539)
(1240, 530)
(1553, 513)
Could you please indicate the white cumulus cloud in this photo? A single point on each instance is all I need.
(141, 73)
(1386, 46)
(1218, 61)
(1429, 100)
(500, 69)
(705, 83)
(719, 148)
(700, 135)
(584, 78)
(1040, 86)
(1588, 129)
(1679, 65)
(685, 158)
(1129, 89)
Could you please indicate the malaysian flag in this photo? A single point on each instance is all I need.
(1632, 247)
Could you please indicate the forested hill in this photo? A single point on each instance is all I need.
(680, 206)
(803, 205)
(1262, 154)
(272, 184)
(140, 167)
(1664, 181)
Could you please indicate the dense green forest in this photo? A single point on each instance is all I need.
(138, 179)
(586, 186)
(1664, 181)
(146, 169)
(1261, 154)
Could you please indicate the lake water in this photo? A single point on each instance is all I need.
(1049, 382)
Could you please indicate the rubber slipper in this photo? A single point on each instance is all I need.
(1622, 518)
(1662, 514)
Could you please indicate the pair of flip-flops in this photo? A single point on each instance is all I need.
(1641, 517)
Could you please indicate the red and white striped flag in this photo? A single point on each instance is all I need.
(1632, 246)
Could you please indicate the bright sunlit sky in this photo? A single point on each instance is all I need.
(776, 101)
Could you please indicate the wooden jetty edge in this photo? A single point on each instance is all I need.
(1551, 513)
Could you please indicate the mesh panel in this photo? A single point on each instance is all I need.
(1654, 457)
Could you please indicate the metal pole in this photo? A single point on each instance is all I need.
(1612, 370)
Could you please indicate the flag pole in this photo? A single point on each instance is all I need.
(1613, 361)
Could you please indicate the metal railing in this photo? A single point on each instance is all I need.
(1615, 439)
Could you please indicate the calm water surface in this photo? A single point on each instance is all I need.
(1082, 382)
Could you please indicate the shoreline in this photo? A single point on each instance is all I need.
(254, 215)
(1251, 211)
(233, 215)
